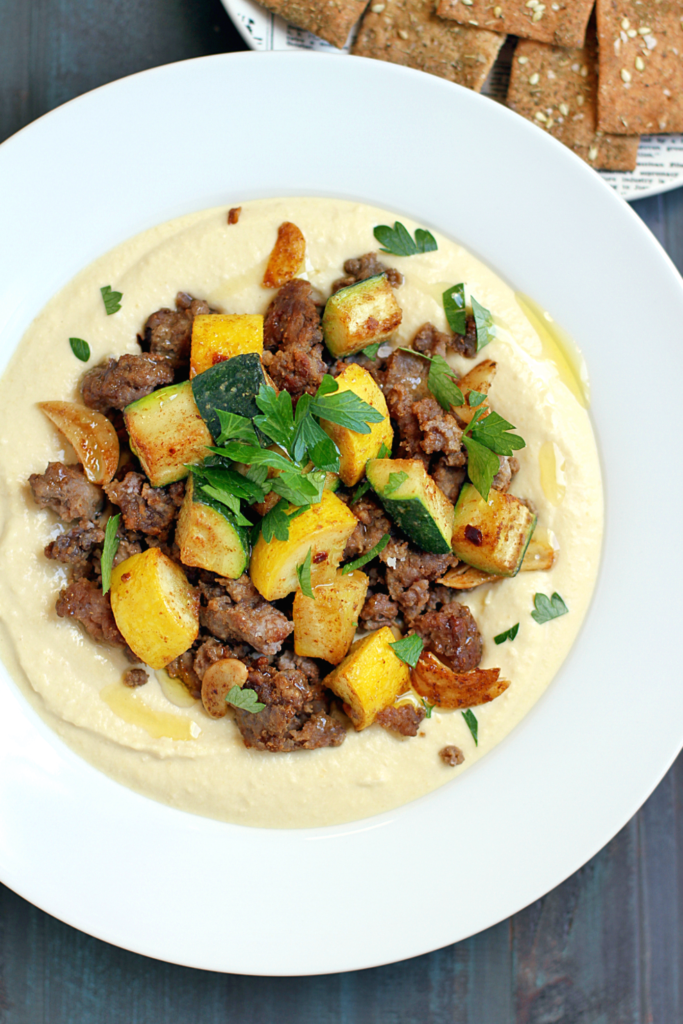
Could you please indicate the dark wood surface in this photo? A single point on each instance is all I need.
(606, 947)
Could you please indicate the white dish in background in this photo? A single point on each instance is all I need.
(117, 865)
(660, 157)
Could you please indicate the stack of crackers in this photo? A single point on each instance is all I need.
(596, 84)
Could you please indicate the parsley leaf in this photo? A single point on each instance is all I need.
(482, 465)
(277, 421)
(483, 320)
(371, 350)
(454, 308)
(441, 383)
(112, 300)
(408, 649)
(359, 492)
(383, 452)
(344, 408)
(250, 455)
(492, 432)
(475, 398)
(472, 725)
(300, 488)
(441, 380)
(328, 386)
(245, 699)
(229, 480)
(394, 482)
(548, 608)
(324, 455)
(80, 348)
(109, 549)
(303, 571)
(508, 634)
(234, 427)
(276, 522)
(231, 501)
(398, 240)
(368, 557)
(428, 707)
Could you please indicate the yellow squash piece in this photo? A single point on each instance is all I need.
(355, 449)
(370, 677)
(324, 528)
(324, 626)
(155, 607)
(217, 337)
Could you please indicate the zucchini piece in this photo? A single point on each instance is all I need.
(167, 433)
(324, 626)
(324, 528)
(208, 536)
(360, 315)
(231, 386)
(492, 535)
(414, 502)
(155, 607)
(355, 449)
(370, 677)
(217, 337)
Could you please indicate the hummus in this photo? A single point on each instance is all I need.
(177, 754)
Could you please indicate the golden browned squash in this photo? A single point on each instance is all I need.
(324, 626)
(155, 607)
(217, 337)
(370, 677)
(355, 449)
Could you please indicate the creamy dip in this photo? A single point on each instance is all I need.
(175, 753)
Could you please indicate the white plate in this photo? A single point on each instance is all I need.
(660, 157)
(134, 872)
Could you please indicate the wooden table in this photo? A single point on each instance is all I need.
(606, 947)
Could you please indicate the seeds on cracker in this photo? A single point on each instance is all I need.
(641, 66)
(562, 24)
(332, 20)
(563, 99)
(408, 32)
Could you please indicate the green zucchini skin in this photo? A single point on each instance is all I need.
(417, 506)
(208, 536)
(232, 386)
(503, 527)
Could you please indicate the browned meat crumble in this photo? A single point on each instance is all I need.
(124, 380)
(363, 267)
(66, 491)
(451, 755)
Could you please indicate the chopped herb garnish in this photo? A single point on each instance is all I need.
(245, 699)
(441, 380)
(344, 408)
(371, 350)
(394, 482)
(300, 488)
(368, 557)
(454, 308)
(428, 707)
(303, 571)
(80, 348)
(548, 608)
(472, 725)
(109, 549)
(398, 241)
(359, 492)
(383, 452)
(112, 300)
(485, 441)
(227, 479)
(509, 634)
(408, 649)
(250, 455)
(475, 398)
(276, 522)
(483, 320)
(234, 427)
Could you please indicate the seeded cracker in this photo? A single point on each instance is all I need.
(408, 32)
(641, 66)
(332, 20)
(557, 90)
(562, 23)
